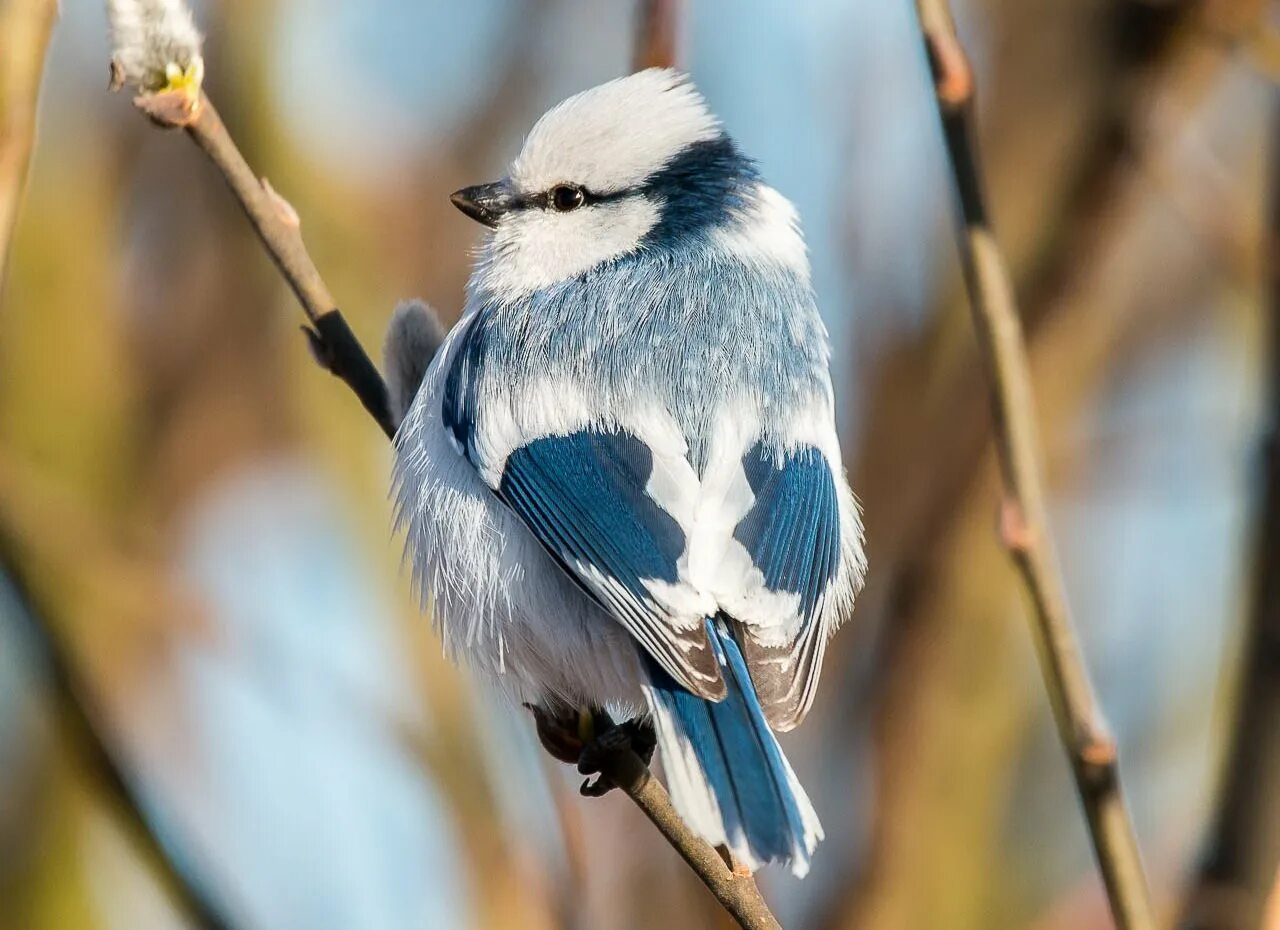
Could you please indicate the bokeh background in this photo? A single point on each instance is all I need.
(201, 514)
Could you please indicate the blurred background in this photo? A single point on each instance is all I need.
(200, 516)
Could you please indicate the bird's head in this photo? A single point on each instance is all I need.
(637, 162)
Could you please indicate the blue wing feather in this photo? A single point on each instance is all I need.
(792, 533)
(793, 527)
(583, 496)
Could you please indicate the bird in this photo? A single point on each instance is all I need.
(619, 478)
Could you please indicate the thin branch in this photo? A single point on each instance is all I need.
(1092, 211)
(87, 734)
(338, 349)
(657, 34)
(736, 892)
(1238, 867)
(332, 342)
(1024, 518)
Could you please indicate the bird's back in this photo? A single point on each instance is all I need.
(696, 331)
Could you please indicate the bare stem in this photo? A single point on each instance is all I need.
(278, 226)
(736, 892)
(1024, 519)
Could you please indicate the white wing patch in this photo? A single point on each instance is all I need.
(768, 532)
(814, 550)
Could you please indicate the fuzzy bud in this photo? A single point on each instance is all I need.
(156, 46)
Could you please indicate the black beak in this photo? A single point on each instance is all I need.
(485, 203)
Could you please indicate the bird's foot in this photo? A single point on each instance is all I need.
(588, 737)
(631, 735)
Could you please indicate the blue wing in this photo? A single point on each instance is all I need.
(793, 528)
(792, 533)
(583, 496)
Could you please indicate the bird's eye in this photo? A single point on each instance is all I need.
(566, 197)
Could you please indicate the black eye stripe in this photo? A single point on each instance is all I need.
(542, 199)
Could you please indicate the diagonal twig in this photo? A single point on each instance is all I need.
(737, 893)
(276, 222)
(1024, 522)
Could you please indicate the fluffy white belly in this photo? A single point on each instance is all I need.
(499, 601)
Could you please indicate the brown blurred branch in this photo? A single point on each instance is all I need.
(657, 34)
(25, 27)
(24, 35)
(1024, 519)
(1158, 67)
(88, 735)
(1238, 866)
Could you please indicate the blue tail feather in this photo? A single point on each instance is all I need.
(725, 769)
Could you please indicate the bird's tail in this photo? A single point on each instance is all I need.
(727, 775)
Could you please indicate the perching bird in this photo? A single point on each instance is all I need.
(620, 478)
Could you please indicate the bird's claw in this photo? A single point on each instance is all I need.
(634, 735)
(596, 789)
(588, 738)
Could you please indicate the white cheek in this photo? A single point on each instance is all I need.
(537, 248)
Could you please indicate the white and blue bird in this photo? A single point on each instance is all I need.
(620, 479)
